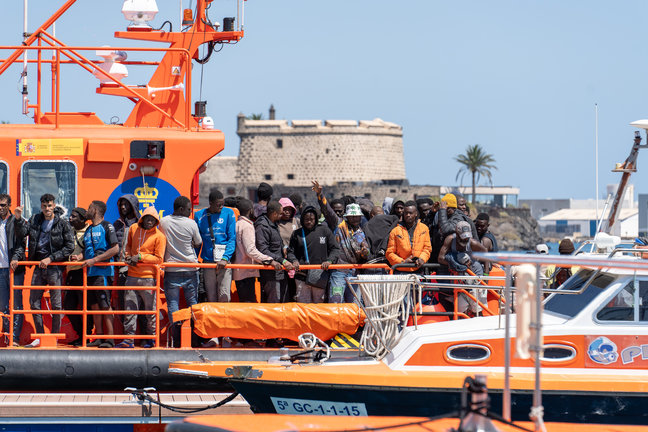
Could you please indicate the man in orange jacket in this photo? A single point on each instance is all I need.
(409, 241)
(145, 245)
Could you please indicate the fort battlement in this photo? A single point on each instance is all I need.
(332, 151)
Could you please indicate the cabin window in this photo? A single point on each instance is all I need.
(468, 352)
(569, 305)
(620, 307)
(628, 304)
(4, 177)
(58, 178)
(557, 352)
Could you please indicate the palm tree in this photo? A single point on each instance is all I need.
(255, 117)
(478, 163)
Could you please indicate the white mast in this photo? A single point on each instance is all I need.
(596, 164)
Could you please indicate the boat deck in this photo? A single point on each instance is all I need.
(22, 406)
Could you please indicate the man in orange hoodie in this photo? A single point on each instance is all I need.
(145, 245)
(409, 241)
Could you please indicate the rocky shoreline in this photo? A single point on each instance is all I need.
(514, 228)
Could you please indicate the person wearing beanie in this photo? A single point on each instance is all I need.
(264, 195)
(566, 247)
(450, 200)
(556, 276)
(74, 298)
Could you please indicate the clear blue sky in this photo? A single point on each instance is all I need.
(518, 77)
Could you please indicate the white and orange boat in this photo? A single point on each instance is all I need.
(594, 358)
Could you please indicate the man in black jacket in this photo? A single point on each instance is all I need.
(268, 242)
(51, 239)
(13, 231)
(312, 244)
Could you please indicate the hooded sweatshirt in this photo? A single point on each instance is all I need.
(121, 225)
(149, 243)
(320, 242)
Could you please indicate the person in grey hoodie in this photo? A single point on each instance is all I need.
(129, 213)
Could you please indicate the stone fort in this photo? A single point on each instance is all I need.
(361, 158)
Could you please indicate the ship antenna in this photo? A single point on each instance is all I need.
(25, 99)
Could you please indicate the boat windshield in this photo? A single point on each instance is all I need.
(571, 304)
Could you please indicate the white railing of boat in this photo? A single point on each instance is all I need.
(513, 259)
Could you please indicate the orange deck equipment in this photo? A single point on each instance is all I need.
(272, 320)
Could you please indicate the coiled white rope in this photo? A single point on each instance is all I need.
(387, 311)
(310, 341)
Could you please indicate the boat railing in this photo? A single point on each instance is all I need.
(49, 340)
(538, 261)
(74, 57)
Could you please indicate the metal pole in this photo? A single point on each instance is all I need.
(596, 163)
(506, 398)
(537, 323)
(25, 101)
(242, 15)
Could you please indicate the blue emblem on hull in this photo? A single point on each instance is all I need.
(150, 191)
(603, 351)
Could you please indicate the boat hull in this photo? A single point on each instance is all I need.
(317, 398)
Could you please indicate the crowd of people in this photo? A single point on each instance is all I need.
(281, 234)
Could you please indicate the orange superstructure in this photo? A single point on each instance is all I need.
(157, 153)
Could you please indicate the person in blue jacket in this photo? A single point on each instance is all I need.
(217, 225)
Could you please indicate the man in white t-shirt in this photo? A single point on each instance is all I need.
(183, 237)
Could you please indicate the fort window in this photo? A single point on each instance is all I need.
(231, 191)
(268, 176)
(291, 176)
(279, 143)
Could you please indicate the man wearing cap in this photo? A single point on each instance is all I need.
(456, 253)
(409, 241)
(354, 249)
(446, 221)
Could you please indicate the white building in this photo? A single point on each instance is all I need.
(582, 217)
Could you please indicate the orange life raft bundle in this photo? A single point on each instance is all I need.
(272, 320)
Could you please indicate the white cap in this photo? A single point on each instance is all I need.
(542, 248)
